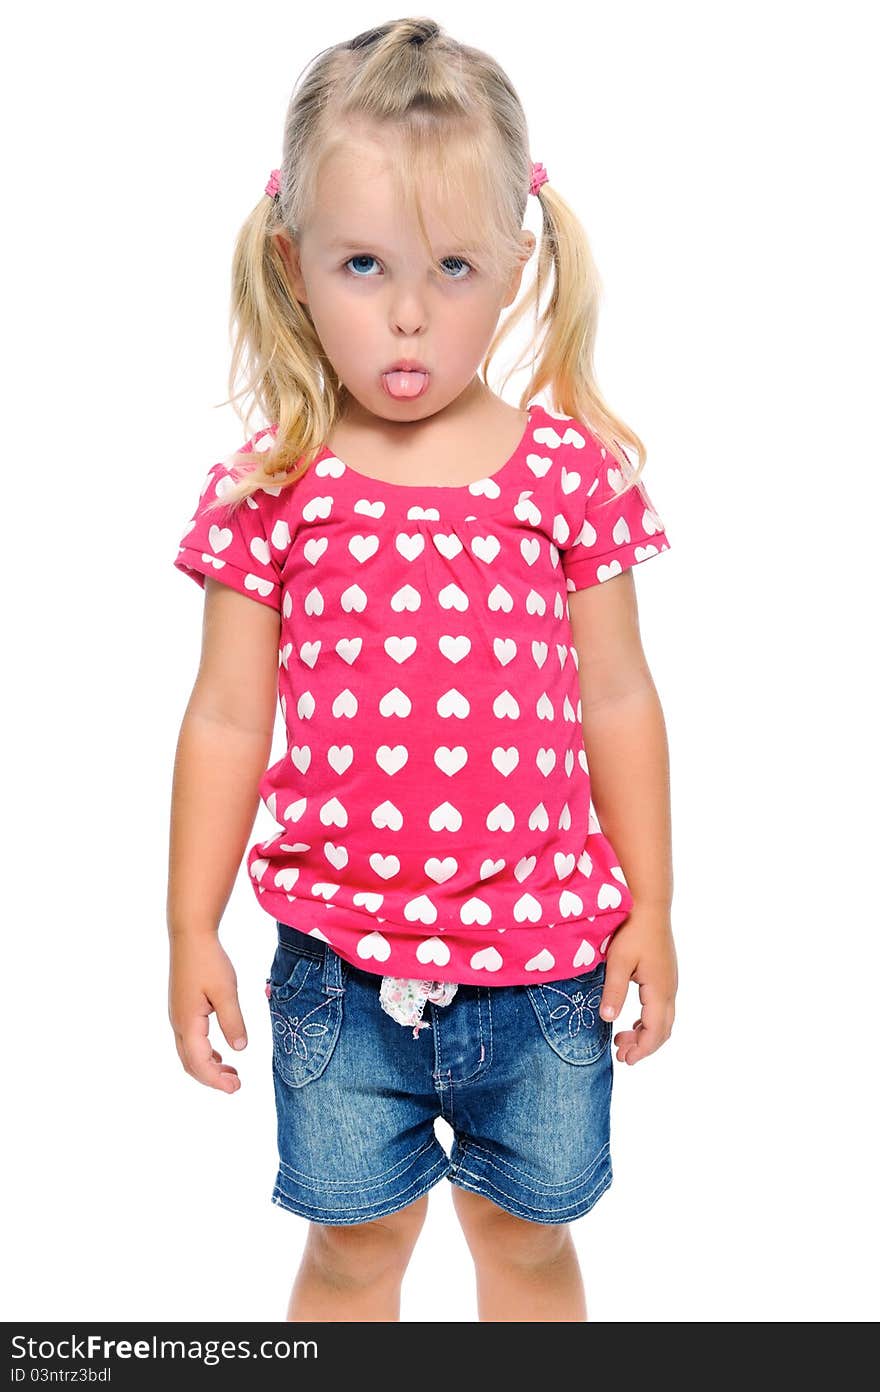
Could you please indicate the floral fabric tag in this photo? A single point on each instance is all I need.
(404, 998)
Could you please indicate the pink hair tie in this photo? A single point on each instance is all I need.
(273, 188)
(539, 177)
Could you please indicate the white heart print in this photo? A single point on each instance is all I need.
(433, 951)
(374, 945)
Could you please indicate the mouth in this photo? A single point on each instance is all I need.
(406, 379)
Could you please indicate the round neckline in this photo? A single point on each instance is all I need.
(456, 494)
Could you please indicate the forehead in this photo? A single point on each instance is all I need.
(363, 193)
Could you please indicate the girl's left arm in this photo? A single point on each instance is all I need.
(628, 760)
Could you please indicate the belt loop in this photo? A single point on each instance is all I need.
(332, 982)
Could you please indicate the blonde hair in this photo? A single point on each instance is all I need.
(455, 119)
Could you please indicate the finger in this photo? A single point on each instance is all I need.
(654, 1029)
(628, 1036)
(617, 979)
(198, 1059)
(231, 1021)
(212, 1072)
(224, 1067)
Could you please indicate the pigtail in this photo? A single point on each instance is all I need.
(278, 355)
(563, 332)
(566, 361)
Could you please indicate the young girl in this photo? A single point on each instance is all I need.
(437, 587)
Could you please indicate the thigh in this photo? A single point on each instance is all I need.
(354, 1095)
(532, 1130)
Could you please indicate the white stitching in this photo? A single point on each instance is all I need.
(607, 1176)
(426, 1182)
(406, 1162)
(465, 1147)
(290, 1032)
(481, 1186)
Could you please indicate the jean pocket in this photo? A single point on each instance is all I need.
(290, 969)
(306, 1016)
(568, 1014)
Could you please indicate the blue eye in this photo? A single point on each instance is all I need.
(360, 258)
(365, 256)
(461, 261)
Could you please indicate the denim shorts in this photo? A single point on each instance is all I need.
(522, 1075)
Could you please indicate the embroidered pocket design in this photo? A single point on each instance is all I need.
(568, 1013)
(306, 1017)
(294, 1034)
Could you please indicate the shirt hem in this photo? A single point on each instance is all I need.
(195, 564)
(581, 572)
(518, 955)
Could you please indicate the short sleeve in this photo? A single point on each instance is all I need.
(606, 533)
(241, 547)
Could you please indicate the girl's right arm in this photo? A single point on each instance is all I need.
(222, 752)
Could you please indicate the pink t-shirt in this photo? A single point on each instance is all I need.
(433, 805)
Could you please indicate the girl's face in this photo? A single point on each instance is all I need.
(375, 295)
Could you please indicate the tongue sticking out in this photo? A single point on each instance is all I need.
(405, 383)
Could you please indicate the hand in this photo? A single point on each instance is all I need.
(642, 950)
(203, 980)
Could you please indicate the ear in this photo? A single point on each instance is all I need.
(289, 253)
(528, 246)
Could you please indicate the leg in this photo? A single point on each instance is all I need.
(354, 1272)
(525, 1271)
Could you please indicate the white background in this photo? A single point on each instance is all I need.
(720, 158)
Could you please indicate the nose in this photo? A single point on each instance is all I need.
(409, 327)
(408, 313)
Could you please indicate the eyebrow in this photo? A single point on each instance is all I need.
(342, 242)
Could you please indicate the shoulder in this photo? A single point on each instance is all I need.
(226, 474)
(246, 457)
(568, 440)
(576, 462)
